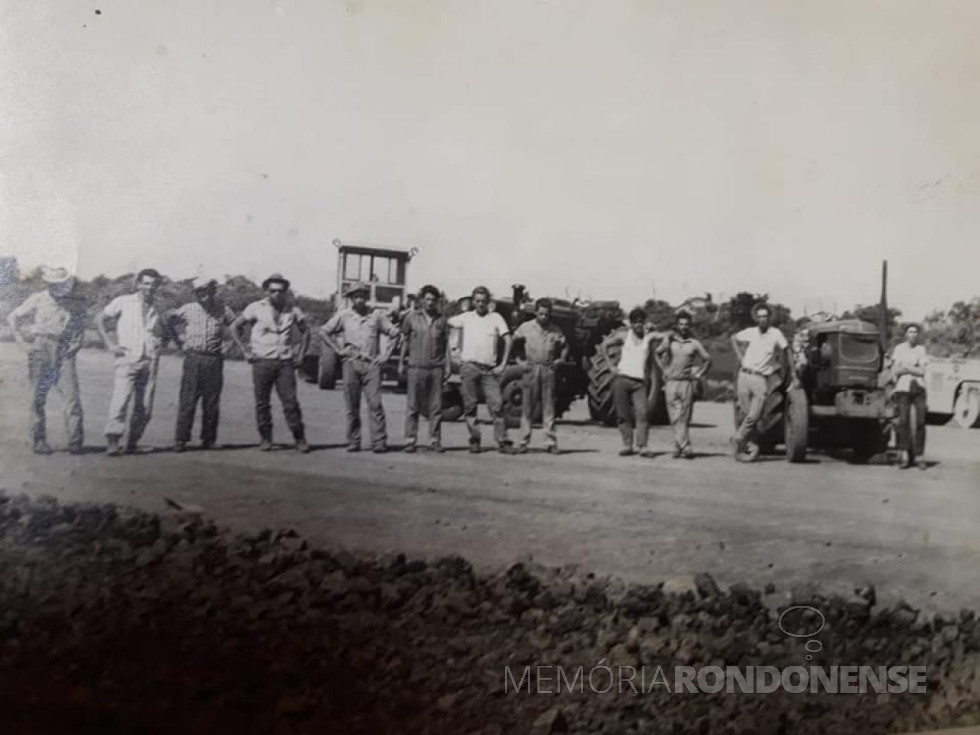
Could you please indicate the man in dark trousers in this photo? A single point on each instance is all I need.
(425, 342)
(353, 333)
(49, 325)
(200, 328)
(278, 343)
(630, 376)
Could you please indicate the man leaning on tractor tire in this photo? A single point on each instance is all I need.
(629, 386)
(762, 350)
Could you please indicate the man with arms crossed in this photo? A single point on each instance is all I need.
(49, 325)
(481, 330)
(762, 351)
(683, 361)
(425, 341)
(273, 354)
(629, 387)
(545, 348)
(139, 337)
(909, 361)
(203, 323)
(353, 333)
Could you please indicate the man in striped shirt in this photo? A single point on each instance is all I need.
(200, 328)
(136, 345)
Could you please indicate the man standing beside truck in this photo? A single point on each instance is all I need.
(909, 361)
(353, 333)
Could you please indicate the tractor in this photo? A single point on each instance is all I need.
(835, 394)
(839, 399)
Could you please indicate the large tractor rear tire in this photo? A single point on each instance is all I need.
(796, 424)
(327, 368)
(512, 393)
(966, 409)
(601, 407)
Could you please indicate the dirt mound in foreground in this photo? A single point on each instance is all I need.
(116, 621)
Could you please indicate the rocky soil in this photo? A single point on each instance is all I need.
(117, 621)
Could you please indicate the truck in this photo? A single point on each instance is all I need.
(953, 391)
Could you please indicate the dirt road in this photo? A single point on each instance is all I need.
(914, 534)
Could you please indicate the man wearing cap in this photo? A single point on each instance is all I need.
(545, 348)
(49, 325)
(139, 335)
(762, 351)
(200, 328)
(425, 342)
(277, 326)
(683, 360)
(353, 333)
(482, 329)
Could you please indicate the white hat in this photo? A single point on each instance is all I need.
(53, 275)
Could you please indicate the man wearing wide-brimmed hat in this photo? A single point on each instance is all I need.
(353, 334)
(200, 328)
(277, 344)
(139, 335)
(50, 325)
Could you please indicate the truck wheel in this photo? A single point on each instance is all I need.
(327, 368)
(966, 410)
(796, 417)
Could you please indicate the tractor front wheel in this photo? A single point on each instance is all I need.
(327, 368)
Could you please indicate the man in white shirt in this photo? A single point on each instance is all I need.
(762, 352)
(139, 336)
(630, 386)
(482, 329)
(909, 360)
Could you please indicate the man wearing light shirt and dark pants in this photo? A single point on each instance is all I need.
(277, 325)
(482, 330)
(762, 352)
(354, 333)
(139, 337)
(629, 387)
(909, 360)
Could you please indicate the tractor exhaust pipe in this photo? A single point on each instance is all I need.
(883, 306)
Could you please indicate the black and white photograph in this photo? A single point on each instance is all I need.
(526, 367)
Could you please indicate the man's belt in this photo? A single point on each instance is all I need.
(203, 353)
(750, 371)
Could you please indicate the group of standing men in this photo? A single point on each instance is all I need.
(280, 337)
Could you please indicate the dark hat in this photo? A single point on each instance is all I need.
(274, 278)
(359, 287)
(202, 283)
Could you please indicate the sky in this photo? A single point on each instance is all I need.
(611, 150)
